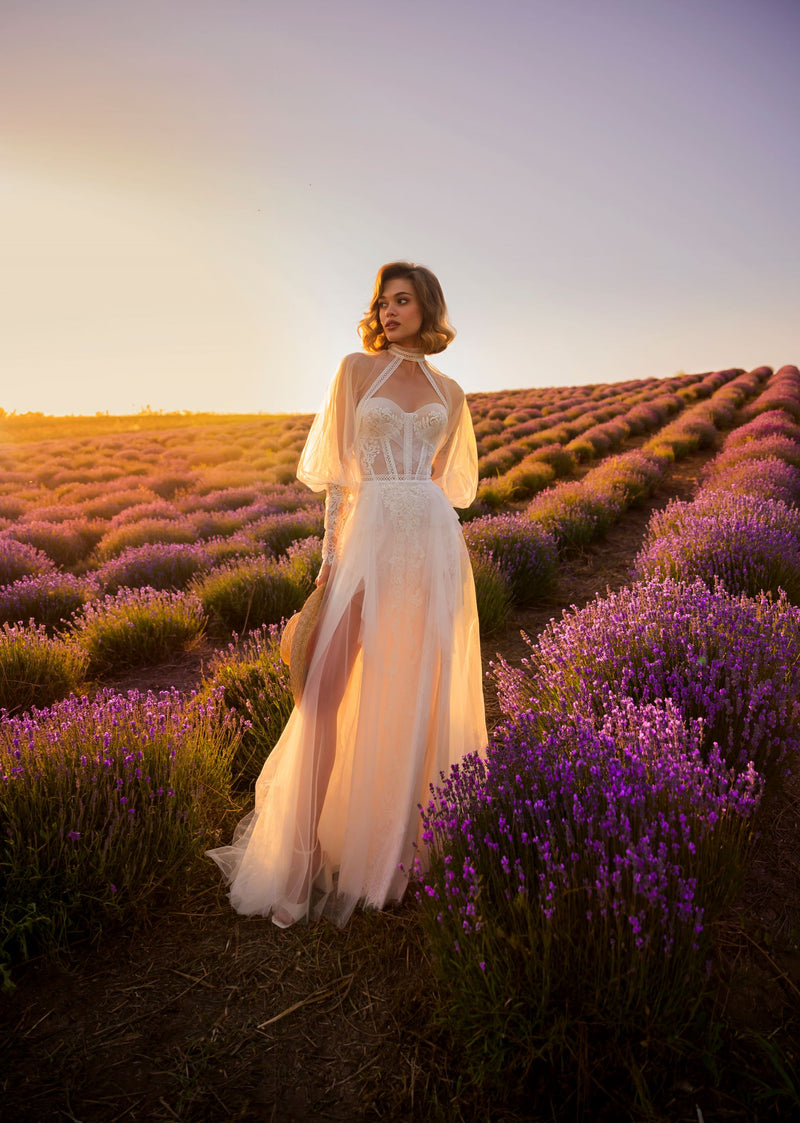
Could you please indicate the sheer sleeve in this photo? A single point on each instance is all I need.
(336, 501)
(455, 466)
(329, 453)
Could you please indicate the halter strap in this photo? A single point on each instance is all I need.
(391, 367)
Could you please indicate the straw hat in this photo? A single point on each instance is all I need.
(296, 639)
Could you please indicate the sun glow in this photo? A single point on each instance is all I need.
(111, 300)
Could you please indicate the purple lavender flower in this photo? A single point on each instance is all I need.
(746, 543)
(49, 599)
(524, 551)
(730, 660)
(768, 478)
(158, 565)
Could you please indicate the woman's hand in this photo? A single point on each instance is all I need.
(323, 574)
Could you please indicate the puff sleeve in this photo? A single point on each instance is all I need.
(455, 466)
(328, 456)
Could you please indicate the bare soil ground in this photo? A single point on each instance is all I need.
(198, 1014)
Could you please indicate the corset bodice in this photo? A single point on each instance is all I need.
(393, 443)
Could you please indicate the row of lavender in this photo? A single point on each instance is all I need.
(82, 501)
(579, 867)
(536, 456)
(515, 555)
(73, 494)
(101, 636)
(743, 528)
(67, 469)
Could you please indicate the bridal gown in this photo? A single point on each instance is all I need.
(393, 694)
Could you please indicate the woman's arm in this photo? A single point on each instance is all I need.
(336, 500)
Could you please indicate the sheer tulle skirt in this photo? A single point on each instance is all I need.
(393, 697)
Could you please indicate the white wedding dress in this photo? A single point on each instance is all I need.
(393, 695)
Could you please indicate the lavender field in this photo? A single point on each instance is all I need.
(568, 954)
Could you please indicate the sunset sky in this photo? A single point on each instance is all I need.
(195, 194)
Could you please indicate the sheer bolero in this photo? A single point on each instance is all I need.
(330, 453)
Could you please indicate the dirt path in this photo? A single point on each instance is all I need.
(199, 1014)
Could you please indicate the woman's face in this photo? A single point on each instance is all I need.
(400, 313)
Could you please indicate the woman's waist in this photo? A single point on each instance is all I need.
(383, 481)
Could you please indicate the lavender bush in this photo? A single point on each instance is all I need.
(19, 559)
(572, 880)
(304, 561)
(770, 423)
(140, 533)
(783, 448)
(492, 593)
(253, 681)
(146, 510)
(242, 595)
(159, 565)
(531, 475)
(51, 599)
(102, 803)
(769, 478)
(496, 492)
(219, 551)
(731, 660)
(745, 543)
(500, 459)
(627, 479)
(782, 393)
(574, 514)
(135, 627)
(36, 670)
(557, 456)
(684, 435)
(66, 543)
(525, 552)
(275, 533)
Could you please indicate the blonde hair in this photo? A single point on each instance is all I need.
(436, 331)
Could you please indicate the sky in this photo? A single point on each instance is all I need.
(195, 195)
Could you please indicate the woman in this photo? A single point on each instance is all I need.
(393, 693)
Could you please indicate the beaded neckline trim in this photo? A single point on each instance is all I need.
(404, 353)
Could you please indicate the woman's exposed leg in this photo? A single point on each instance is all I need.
(318, 762)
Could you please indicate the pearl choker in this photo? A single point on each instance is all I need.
(404, 353)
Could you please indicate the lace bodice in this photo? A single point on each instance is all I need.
(397, 444)
(393, 444)
(375, 426)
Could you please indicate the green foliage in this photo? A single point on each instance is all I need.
(36, 670)
(136, 627)
(143, 532)
(304, 561)
(492, 592)
(255, 684)
(530, 476)
(246, 594)
(102, 804)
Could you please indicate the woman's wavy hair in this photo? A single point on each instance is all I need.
(436, 331)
